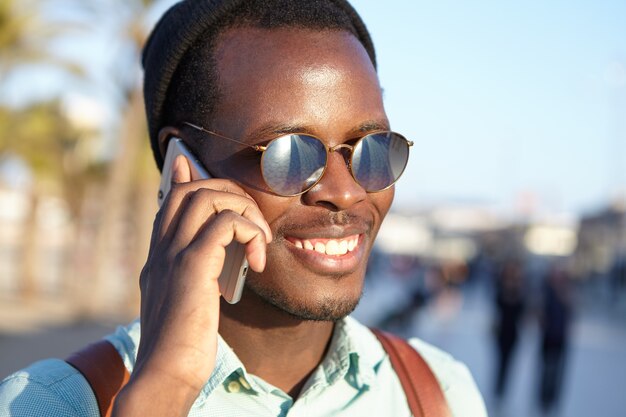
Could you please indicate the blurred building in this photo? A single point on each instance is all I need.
(601, 250)
(455, 233)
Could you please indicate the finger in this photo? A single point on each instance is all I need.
(179, 174)
(209, 246)
(181, 171)
(204, 204)
(182, 193)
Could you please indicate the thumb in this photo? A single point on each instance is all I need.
(181, 171)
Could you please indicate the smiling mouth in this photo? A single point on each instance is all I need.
(329, 247)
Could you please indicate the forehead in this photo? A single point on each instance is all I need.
(296, 76)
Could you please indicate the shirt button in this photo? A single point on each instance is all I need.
(234, 386)
(244, 383)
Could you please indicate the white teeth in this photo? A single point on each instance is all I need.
(343, 247)
(320, 247)
(330, 247)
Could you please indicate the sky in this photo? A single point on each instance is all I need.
(509, 103)
(513, 105)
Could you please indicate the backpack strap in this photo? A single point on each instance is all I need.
(103, 368)
(422, 390)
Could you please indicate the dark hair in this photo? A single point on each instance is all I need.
(181, 79)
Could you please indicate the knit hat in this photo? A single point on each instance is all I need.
(177, 31)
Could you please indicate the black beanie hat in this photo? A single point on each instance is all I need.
(176, 32)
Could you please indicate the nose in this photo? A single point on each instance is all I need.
(337, 190)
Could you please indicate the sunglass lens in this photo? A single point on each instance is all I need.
(293, 163)
(379, 159)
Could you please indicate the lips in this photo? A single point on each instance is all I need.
(333, 256)
(332, 244)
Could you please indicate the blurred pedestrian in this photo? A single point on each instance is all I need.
(411, 272)
(618, 277)
(555, 321)
(510, 304)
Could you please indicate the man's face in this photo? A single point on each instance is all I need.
(316, 82)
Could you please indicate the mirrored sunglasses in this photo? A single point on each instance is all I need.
(292, 164)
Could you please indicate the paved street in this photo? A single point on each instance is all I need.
(42, 329)
(595, 374)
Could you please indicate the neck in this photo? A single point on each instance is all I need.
(273, 345)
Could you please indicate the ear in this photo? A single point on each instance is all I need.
(165, 134)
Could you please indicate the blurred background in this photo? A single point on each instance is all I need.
(506, 245)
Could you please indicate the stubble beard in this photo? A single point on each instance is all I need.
(329, 307)
(326, 308)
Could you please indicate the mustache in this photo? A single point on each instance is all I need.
(320, 221)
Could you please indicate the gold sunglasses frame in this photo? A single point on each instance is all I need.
(329, 149)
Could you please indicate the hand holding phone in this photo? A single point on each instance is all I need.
(180, 292)
(233, 275)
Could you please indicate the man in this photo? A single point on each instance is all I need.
(226, 76)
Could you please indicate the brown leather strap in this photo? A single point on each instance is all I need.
(422, 390)
(103, 368)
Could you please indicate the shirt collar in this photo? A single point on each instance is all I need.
(354, 354)
(227, 364)
(365, 352)
(348, 357)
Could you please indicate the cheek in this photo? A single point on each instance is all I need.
(246, 172)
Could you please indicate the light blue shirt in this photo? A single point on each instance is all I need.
(354, 379)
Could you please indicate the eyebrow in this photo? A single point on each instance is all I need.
(372, 126)
(274, 129)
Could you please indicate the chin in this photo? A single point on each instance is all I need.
(330, 305)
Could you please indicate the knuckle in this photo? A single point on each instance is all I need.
(188, 261)
(179, 258)
(180, 190)
(200, 195)
(169, 256)
(228, 215)
(223, 197)
(208, 197)
(227, 220)
(183, 260)
(251, 209)
(230, 186)
(226, 184)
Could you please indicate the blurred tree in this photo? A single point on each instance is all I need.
(130, 193)
(125, 202)
(38, 134)
(25, 37)
(42, 136)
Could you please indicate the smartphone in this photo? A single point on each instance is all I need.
(233, 275)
